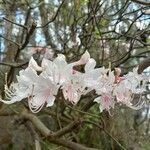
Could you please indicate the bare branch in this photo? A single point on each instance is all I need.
(11, 41)
(141, 2)
(54, 17)
(25, 27)
(34, 135)
(14, 65)
(68, 128)
(48, 134)
(143, 65)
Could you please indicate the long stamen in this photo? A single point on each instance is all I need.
(33, 108)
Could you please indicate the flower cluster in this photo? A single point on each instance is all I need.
(40, 84)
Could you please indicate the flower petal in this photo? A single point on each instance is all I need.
(33, 64)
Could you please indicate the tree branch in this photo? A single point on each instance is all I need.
(54, 17)
(68, 128)
(23, 26)
(141, 2)
(49, 135)
(143, 65)
(34, 135)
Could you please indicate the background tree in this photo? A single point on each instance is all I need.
(113, 31)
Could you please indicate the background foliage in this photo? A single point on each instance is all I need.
(115, 31)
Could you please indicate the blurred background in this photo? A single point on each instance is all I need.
(113, 31)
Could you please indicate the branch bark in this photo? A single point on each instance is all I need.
(143, 65)
(49, 135)
(141, 2)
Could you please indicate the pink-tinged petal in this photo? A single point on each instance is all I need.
(58, 70)
(27, 76)
(106, 102)
(70, 93)
(74, 71)
(83, 60)
(120, 96)
(33, 64)
(60, 61)
(90, 65)
(37, 102)
(118, 79)
(43, 93)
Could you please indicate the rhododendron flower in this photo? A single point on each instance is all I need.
(33, 64)
(125, 96)
(59, 70)
(41, 88)
(106, 102)
(91, 74)
(83, 60)
(73, 89)
(38, 89)
(134, 78)
(105, 83)
(127, 88)
(44, 91)
(22, 89)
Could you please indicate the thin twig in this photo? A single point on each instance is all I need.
(54, 17)
(18, 24)
(141, 2)
(119, 144)
(11, 41)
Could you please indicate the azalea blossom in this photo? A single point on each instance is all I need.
(83, 60)
(22, 89)
(33, 64)
(105, 89)
(38, 89)
(58, 70)
(105, 83)
(39, 84)
(73, 89)
(43, 92)
(91, 74)
(128, 87)
(106, 102)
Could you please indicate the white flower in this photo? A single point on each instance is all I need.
(58, 70)
(73, 89)
(41, 88)
(92, 75)
(22, 89)
(44, 92)
(127, 88)
(105, 82)
(134, 78)
(75, 86)
(106, 102)
(83, 60)
(33, 64)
